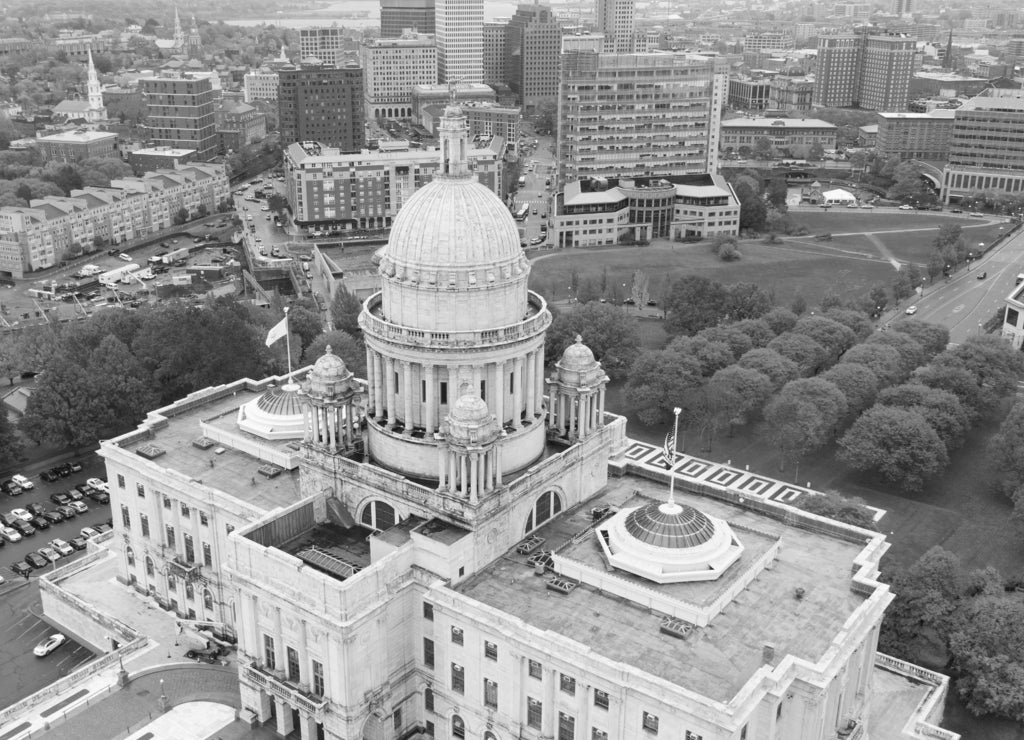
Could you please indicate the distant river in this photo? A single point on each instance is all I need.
(355, 14)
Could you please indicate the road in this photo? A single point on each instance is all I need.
(536, 193)
(965, 303)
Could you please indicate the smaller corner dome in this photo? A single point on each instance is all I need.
(470, 410)
(330, 367)
(577, 356)
(471, 423)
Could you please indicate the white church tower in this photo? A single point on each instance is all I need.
(95, 92)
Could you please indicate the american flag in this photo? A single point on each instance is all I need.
(669, 452)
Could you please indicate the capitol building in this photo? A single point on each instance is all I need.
(467, 544)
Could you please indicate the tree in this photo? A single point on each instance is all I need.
(277, 203)
(907, 183)
(778, 369)
(1006, 453)
(902, 286)
(344, 345)
(909, 349)
(757, 329)
(776, 192)
(988, 654)
(660, 380)
(833, 505)
(816, 152)
(856, 382)
(726, 248)
(746, 301)
(180, 216)
(780, 320)
(99, 171)
(897, 443)
(857, 321)
(884, 361)
(753, 211)
(608, 330)
(879, 299)
(305, 323)
(941, 409)
(738, 342)
(742, 392)
(694, 303)
(711, 356)
(933, 338)
(345, 310)
(803, 417)
(836, 338)
(10, 360)
(956, 380)
(763, 148)
(808, 355)
(996, 366)
(949, 234)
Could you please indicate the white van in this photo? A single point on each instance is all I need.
(124, 257)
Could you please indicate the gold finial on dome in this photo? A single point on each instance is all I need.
(579, 339)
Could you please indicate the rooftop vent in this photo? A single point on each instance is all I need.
(562, 585)
(676, 627)
(203, 443)
(150, 452)
(768, 653)
(270, 470)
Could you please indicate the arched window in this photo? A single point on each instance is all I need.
(490, 736)
(547, 505)
(130, 554)
(458, 726)
(207, 600)
(149, 566)
(379, 515)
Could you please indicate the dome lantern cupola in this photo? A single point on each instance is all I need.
(576, 393)
(334, 404)
(471, 463)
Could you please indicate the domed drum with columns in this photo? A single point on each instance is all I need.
(334, 402)
(454, 312)
(576, 393)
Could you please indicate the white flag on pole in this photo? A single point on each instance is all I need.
(279, 330)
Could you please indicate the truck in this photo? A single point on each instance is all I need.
(145, 273)
(178, 254)
(118, 275)
(88, 271)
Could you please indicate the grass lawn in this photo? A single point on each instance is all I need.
(848, 220)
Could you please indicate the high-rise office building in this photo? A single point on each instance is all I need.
(459, 29)
(986, 149)
(392, 66)
(495, 40)
(616, 20)
(631, 115)
(397, 16)
(179, 114)
(866, 70)
(322, 103)
(902, 7)
(327, 43)
(534, 49)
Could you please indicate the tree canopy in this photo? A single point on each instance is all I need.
(896, 442)
(778, 369)
(608, 330)
(804, 415)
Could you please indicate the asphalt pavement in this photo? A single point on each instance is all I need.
(537, 168)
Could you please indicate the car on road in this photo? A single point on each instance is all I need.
(975, 215)
(125, 257)
(24, 514)
(9, 534)
(36, 509)
(911, 310)
(22, 568)
(64, 470)
(48, 645)
(49, 553)
(80, 507)
(867, 205)
(99, 484)
(53, 517)
(24, 482)
(906, 207)
(78, 543)
(88, 532)
(61, 499)
(36, 560)
(67, 511)
(62, 547)
(982, 275)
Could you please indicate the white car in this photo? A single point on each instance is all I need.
(99, 484)
(905, 207)
(911, 310)
(79, 507)
(88, 532)
(48, 645)
(49, 553)
(10, 534)
(23, 514)
(23, 482)
(62, 547)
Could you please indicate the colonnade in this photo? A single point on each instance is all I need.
(416, 395)
(331, 424)
(469, 473)
(575, 413)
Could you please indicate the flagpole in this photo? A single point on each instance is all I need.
(288, 343)
(672, 476)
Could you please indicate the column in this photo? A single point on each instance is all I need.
(474, 476)
(407, 396)
(452, 479)
(595, 420)
(332, 441)
(442, 467)
(572, 416)
(378, 387)
(370, 389)
(478, 375)
(552, 406)
(539, 380)
(517, 393)
(307, 423)
(350, 424)
(497, 463)
(431, 402)
(307, 727)
(563, 399)
(389, 384)
(305, 669)
(263, 710)
(463, 482)
(600, 406)
(583, 416)
(498, 394)
(549, 720)
(284, 718)
(531, 384)
(279, 661)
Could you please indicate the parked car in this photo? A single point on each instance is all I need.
(48, 645)
(22, 568)
(911, 310)
(10, 534)
(54, 517)
(80, 507)
(208, 655)
(98, 484)
(67, 511)
(24, 482)
(982, 275)
(62, 547)
(103, 527)
(74, 494)
(78, 543)
(88, 532)
(36, 560)
(100, 497)
(36, 509)
(49, 553)
(83, 488)
(61, 499)
(63, 470)
(50, 475)
(39, 523)
(24, 514)
(906, 207)
(10, 488)
(26, 529)
(7, 520)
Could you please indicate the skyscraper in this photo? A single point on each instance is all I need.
(616, 19)
(628, 115)
(459, 29)
(179, 114)
(495, 49)
(324, 104)
(534, 48)
(393, 66)
(866, 70)
(398, 15)
(986, 150)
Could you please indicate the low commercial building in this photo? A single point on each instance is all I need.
(915, 135)
(36, 236)
(986, 150)
(440, 94)
(260, 85)
(336, 191)
(603, 212)
(749, 93)
(483, 118)
(238, 125)
(783, 133)
(75, 146)
(791, 93)
(152, 158)
(392, 67)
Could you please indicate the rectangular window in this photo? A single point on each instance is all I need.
(428, 699)
(650, 722)
(458, 679)
(743, 733)
(185, 511)
(120, 481)
(483, 389)
(428, 652)
(490, 650)
(397, 719)
(566, 726)
(567, 684)
(294, 674)
(170, 536)
(430, 728)
(318, 678)
(203, 519)
(144, 520)
(141, 490)
(693, 736)
(490, 694)
(423, 391)
(596, 734)
(512, 382)
(600, 699)
(534, 712)
(126, 517)
(268, 652)
(207, 554)
(444, 392)
(457, 636)
(428, 611)
(167, 502)
(535, 671)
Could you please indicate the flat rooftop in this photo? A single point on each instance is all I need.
(333, 549)
(232, 471)
(716, 660)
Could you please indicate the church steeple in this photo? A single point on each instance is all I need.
(947, 61)
(94, 90)
(179, 34)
